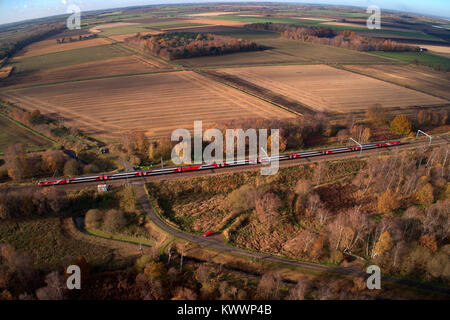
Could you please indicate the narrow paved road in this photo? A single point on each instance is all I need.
(218, 245)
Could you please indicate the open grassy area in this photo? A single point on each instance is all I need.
(68, 58)
(11, 133)
(46, 242)
(282, 51)
(422, 57)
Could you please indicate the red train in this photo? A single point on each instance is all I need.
(170, 170)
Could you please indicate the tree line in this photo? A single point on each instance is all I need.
(180, 45)
(343, 39)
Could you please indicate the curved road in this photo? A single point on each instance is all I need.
(218, 245)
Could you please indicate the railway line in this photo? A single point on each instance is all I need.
(218, 165)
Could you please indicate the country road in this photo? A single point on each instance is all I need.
(218, 245)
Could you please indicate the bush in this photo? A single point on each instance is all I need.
(93, 219)
(114, 221)
(388, 202)
(401, 124)
(71, 168)
(424, 195)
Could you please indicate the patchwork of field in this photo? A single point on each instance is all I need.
(122, 37)
(51, 46)
(324, 88)
(68, 58)
(104, 68)
(154, 103)
(281, 51)
(11, 133)
(422, 79)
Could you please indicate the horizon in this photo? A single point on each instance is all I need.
(28, 10)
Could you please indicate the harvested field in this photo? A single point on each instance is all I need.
(210, 14)
(154, 103)
(68, 58)
(110, 67)
(5, 72)
(415, 77)
(50, 46)
(324, 88)
(114, 25)
(227, 23)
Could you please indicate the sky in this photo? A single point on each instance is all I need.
(18, 10)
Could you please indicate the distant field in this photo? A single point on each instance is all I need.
(154, 103)
(427, 58)
(51, 46)
(281, 51)
(324, 88)
(257, 19)
(416, 77)
(11, 133)
(68, 58)
(148, 27)
(110, 67)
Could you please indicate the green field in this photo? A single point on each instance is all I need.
(283, 51)
(336, 13)
(11, 133)
(251, 19)
(148, 27)
(422, 57)
(67, 58)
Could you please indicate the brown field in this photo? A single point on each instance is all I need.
(218, 22)
(5, 72)
(122, 37)
(324, 88)
(210, 14)
(358, 25)
(114, 25)
(423, 79)
(154, 103)
(115, 66)
(434, 48)
(50, 46)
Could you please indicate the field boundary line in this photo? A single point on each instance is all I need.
(86, 79)
(249, 93)
(55, 143)
(342, 67)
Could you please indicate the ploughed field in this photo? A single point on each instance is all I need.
(154, 103)
(419, 78)
(51, 46)
(325, 88)
(104, 68)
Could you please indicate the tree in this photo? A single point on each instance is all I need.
(16, 162)
(55, 288)
(401, 124)
(383, 244)
(114, 221)
(376, 115)
(71, 168)
(93, 219)
(269, 287)
(388, 202)
(298, 292)
(266, 208)
(424, 195)
(429, 241)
